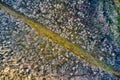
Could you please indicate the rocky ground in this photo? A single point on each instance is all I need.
(90, 24)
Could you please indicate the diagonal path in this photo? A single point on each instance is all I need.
(43, 31)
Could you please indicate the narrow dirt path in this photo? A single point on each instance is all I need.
(43, 31)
